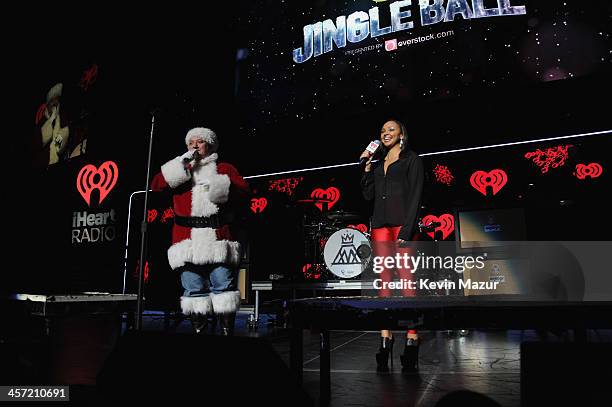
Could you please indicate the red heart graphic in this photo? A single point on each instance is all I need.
(168, 213)
(146, 270)
(258, 204)
(447, 224)
(108, 174)
(361, 227)
(151, 215)
(592, 170)
(496, 179)
(311, 272)
(330, 195)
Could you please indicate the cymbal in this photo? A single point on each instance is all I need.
(312, 200)
(343, 215)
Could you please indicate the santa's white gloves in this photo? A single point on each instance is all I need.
(188, 156)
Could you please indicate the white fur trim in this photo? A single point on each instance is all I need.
(200, 204)
(205, 169)
(226, 303)
(203, 248)
(174, 172)
(55, 91)
(209, 188)
(205, 134)
(180, 253)
(209, 159)
(219, 189)
(196, 305)
(208, 250)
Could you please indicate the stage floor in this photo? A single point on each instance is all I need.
(484, 361)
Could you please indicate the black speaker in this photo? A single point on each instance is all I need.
(562, 374)
(154, 366)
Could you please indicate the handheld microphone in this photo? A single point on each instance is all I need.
(430, 227)
(371, 148)
(195, 157)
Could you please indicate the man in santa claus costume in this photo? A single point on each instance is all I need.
(206, 194)
(54, 129)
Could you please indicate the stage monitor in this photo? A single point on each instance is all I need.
(489, 228)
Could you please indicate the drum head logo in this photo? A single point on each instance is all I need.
(344, 253)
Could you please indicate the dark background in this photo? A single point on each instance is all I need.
(182, 64)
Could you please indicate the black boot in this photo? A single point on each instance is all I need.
(227, 324)
(410, 357)
(199, 323)
(382, 357)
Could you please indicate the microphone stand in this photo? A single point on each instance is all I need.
(143, 232)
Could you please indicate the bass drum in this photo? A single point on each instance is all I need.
(347, 253)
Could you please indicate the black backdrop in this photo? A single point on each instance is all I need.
(182, 62)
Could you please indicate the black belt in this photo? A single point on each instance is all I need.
(213, 221)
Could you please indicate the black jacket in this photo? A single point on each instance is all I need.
(397, 195)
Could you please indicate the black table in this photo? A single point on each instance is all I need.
(432, 313)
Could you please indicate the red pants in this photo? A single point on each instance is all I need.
(389, 234)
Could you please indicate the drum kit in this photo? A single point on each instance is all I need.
(332, 249)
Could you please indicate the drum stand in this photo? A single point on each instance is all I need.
(318, 230)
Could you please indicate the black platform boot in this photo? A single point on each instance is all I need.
(227, 324)
(199, 323)
(382, 357)
(410, 357)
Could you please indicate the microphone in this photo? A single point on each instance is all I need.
(430, 227)
(371, 148)
(195, 157)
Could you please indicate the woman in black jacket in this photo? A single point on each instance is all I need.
(395, 183)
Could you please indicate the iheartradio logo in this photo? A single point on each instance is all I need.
(447, 224)
(258, 204)
(391, 45)
(103, 179)
(330, 195)
(495, 179)
(592, 170)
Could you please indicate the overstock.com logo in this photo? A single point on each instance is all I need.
(391, 45)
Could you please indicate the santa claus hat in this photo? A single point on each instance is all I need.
(55, 91)
(205, 134)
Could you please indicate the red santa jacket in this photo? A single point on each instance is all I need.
(206, 190)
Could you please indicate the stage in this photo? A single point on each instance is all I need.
(291, 164)
(441, 313)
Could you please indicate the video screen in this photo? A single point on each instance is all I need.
(318, 63)
(490, 227)
(66, 104)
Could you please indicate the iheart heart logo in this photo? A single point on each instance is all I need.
(447, 224)
(495, 179)
(103, 178)
(330, 195)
